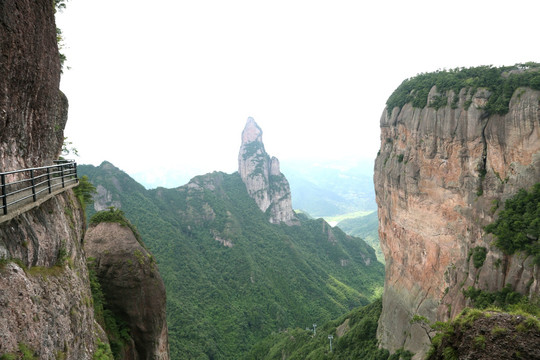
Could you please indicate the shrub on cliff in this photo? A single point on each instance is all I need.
(518, 226)
(85, 191)
(492, 334)
(113, 215)
(505, 299)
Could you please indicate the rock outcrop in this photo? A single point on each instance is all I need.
(264, 181)
(45, 298)
(132, 286)
(33, 111)
(489, 335)
(438, 174)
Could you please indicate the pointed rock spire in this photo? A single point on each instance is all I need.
(264, 181)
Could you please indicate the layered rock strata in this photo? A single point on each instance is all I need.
(437, 177)
(132, 286)
(264, 181)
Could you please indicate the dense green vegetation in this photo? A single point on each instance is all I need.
(221, 300)
(517, 227)
(85, 192)
(505, 299)
(353, 337)
(500, 81)
(478, 255)
(366, 227)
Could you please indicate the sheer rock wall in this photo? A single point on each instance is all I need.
(434, 201)
(33, 111)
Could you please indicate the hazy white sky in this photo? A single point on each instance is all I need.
(167, 85)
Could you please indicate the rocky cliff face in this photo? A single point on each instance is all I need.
(438, 174)
(264, 181)
(132, 286)
(33, 111)
(45, 298)
(46, 307)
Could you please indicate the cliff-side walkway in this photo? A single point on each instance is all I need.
(22, 190)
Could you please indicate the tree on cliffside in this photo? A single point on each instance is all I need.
(518, 225)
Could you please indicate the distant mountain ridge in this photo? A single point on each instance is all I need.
(331, 188)
(233, 274)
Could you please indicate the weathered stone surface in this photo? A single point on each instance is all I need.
(103, 199)
(33, 111)
(132, 286)
(264, 181)
(47, 305)
(45, 299)
(434, 202)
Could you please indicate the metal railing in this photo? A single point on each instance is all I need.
(20, 187)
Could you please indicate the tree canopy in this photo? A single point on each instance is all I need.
(518, 226)
(501, 82)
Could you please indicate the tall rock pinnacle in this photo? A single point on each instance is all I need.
(264, 181)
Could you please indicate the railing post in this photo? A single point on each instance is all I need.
(33, 184)
(4, 196)
(75, 169)
(62, 174)
(49, 179)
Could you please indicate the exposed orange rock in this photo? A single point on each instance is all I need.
(433, 204)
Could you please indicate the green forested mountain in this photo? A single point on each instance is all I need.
(366, 227)
(353, 336)
(232, 277)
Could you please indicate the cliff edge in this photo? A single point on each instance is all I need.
(450, 157)
(132, 287)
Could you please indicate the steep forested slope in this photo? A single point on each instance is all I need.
(366, 227)
(231, 276)
(353, 336)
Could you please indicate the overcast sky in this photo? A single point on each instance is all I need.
(166, 86)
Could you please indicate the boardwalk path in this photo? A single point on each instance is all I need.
(22, 190)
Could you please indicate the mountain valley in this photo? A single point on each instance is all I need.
(233, 275)
(224, 268)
